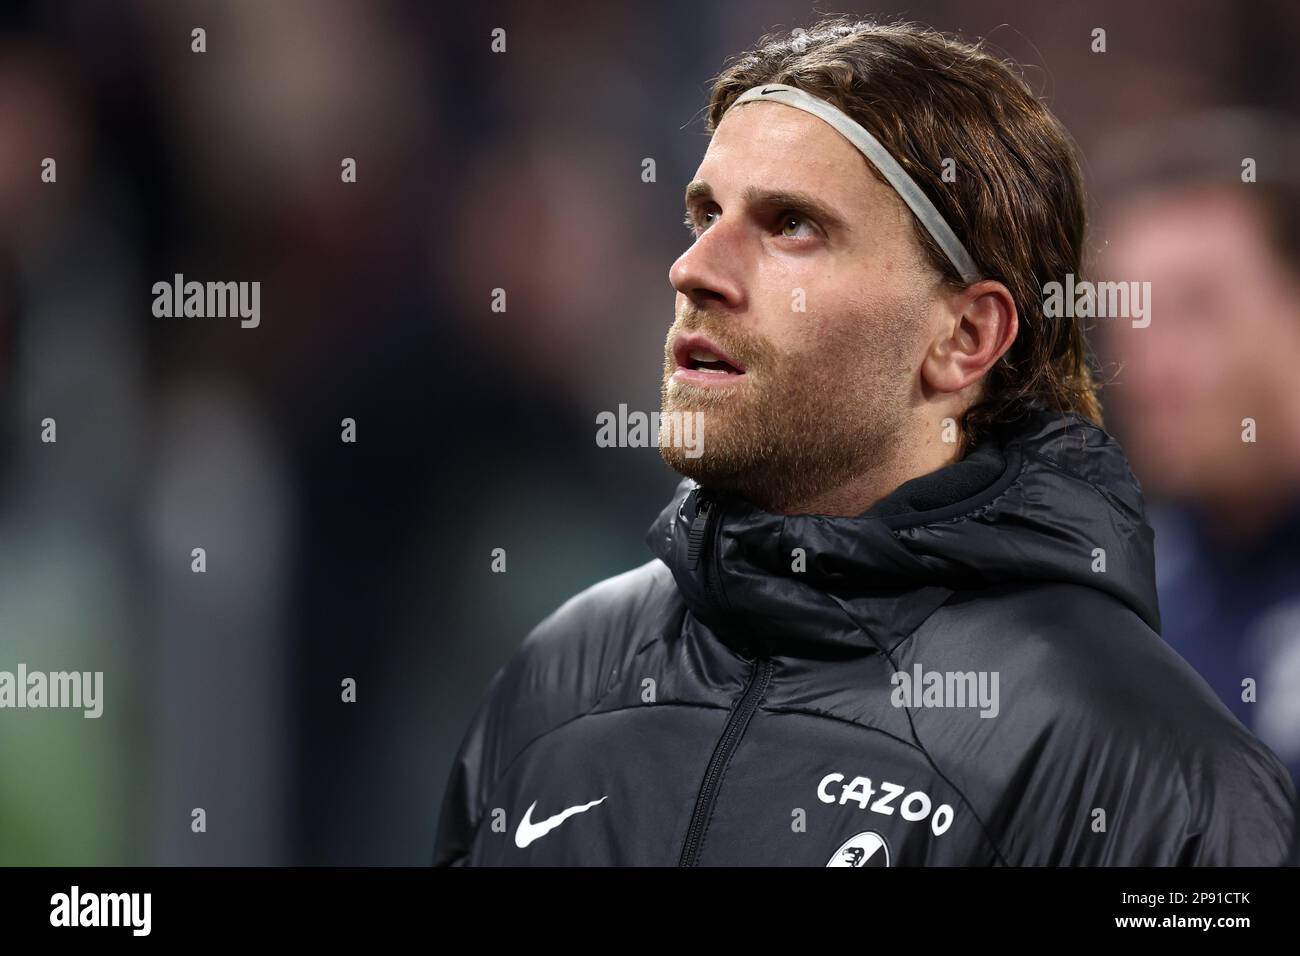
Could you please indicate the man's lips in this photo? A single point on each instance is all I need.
(700, 362)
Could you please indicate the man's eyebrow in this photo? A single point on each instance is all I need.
(796, 201)
(698, 191)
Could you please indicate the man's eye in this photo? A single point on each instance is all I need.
(697, 224)
(791, 224)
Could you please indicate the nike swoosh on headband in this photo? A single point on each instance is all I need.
(878, 156)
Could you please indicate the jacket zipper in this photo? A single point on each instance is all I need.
(731, 734)
(699, 545)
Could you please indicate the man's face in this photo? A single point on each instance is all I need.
(1222, 345)
(805, 276)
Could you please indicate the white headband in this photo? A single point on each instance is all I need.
(879, 157)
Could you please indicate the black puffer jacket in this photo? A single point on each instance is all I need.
(734, 701)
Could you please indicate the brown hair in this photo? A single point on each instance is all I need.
(1017, 202)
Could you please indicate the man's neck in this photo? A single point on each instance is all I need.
(863, 490)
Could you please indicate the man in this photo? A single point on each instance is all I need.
(1207, 399)
(902, 609)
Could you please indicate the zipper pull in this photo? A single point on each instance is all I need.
(699, 527)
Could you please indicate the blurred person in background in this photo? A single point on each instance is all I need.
(1207, 209)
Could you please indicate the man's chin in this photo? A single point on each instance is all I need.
(704, 469)
(715, 461)
(720, 424)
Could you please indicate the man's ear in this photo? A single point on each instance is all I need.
(980, 326)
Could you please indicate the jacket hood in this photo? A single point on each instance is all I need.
(1032, 501)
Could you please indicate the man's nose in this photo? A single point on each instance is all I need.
(708, 273)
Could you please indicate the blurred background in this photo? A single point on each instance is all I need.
(475, 429)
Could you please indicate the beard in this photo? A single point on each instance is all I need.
(802, 423)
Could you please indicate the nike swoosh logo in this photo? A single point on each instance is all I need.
(770, 89)
(529, 831)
